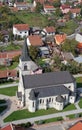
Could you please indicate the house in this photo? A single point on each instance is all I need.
(21, 5)
(7, 57)
(78, 59)
(44, 51)
(78, 37)
(49, 30)
(60, 38)
(48, 8)
(42, 2)
(68, 56)
(8, 74)
(21, 30)
(75, 12)
(79, 47)
(46, 90)
(65, 8)
(12, 127)
(76, 126)
(34, 40)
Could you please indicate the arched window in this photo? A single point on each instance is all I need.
(40, 101)
(33, 104)
(25, 67)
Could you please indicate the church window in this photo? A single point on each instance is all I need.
(40, 101)
(52, 99)
(43, 100)
(25, 67)
(33, 104)
(49, 99)
(69, 86)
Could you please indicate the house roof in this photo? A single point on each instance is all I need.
(68, 55)
(8, 127)
(35, 40)
(65, 6)
(76, 126)
(48, 91)
(50, 29)
(78, 59)
(75, 10)
(43, 1)
(60, 38)
(47, 79)
(10, 54)
(49, 6)
(25, 52)
(14, 9)
(21, 3)
(8, 73)
(12, 127)
(21, 27)
(79, 45)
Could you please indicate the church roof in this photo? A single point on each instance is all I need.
(47, 79)
(25, 53)
(49, 91)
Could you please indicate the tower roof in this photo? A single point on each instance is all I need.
(25, 52)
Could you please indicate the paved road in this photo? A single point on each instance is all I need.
(8, 85)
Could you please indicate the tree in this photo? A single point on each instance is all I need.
(57, 3)
(81, 12)
(39, 7)
(33, 51)
(58, 12)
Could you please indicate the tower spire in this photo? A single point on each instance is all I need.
(25, 52)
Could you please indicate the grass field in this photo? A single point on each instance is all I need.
(11, 91)
(80, 103)
(33, 19)
(79, 82)
(22, 114)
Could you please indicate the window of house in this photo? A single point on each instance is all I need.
(40, 101)
(52, 99)
(25, 67)
(49, 99)
(33, 104)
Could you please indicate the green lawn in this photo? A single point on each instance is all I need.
(33, 19)
(11, 91)
(2, 108)
(70, 27)
(49, 120)
(79, 82)
(80, 103)
(13, 66)
(10, 47)
(22, 114)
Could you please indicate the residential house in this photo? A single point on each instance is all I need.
(65, 8)
(76, 126)
(44, 51)
(6, 58)
(60, 38)
(49, 30)
(47, 90)
(48, 9)
(21, 5)
(34, 40)
(21, 30)
(79, 47)
(8, 74)
(78, 59)
(75, 12)
(78, 37)
(12, 127)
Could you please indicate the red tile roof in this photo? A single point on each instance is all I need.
(65, 6)
(21, 3)
(49, 7)
(35, 40)
(21, 27)
(6, 74)
(79, 45)
(8, 127)
(9, 55)
(60, 38)
(50, 29)
(77, 126)
(76, 10)
(43, 1)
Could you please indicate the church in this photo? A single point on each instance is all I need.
(37, 90)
